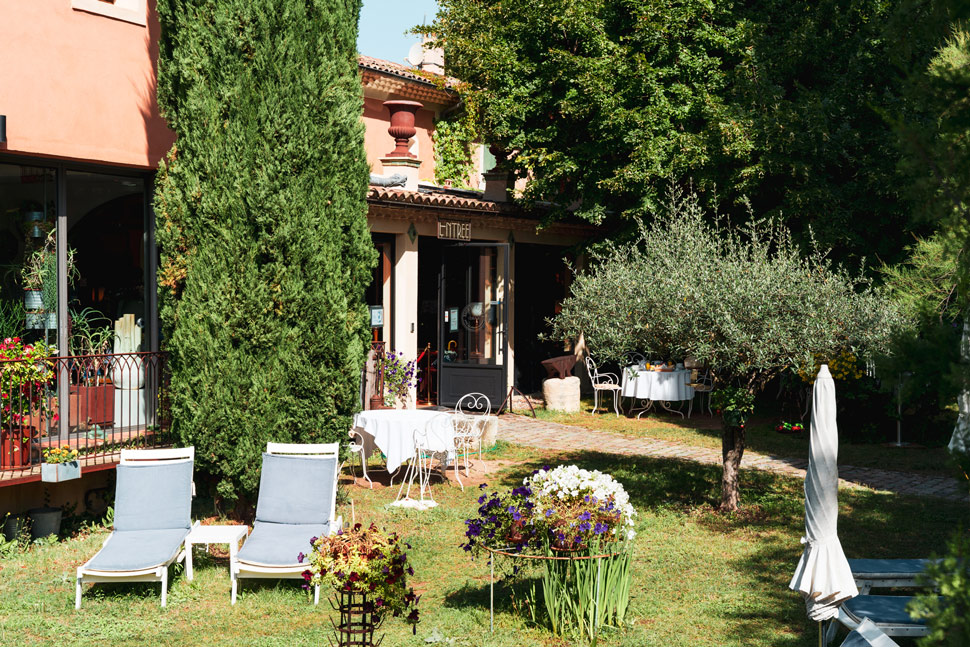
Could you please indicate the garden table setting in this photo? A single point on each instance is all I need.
(658, 384)
(392, 432)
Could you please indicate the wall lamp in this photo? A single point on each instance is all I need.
(3, 129)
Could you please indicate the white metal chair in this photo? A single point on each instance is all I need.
(431, 443)
(153, 505)
(603, 382)
(297, 502)
(471, 417)
(356, 447)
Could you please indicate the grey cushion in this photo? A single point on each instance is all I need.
(887, 567)
(882, 609)
(132, 550)
(294, 489)
(278, 544)
(149, 497)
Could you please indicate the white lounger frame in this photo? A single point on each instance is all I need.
(239, 569)
(850, 621)
(157, 573)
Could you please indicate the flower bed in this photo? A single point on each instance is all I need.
(579, 524)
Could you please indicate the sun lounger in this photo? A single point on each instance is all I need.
(152, 516)
(868, 635)
(886, 573)
(297, 502)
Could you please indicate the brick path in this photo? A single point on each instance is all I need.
(523, 430)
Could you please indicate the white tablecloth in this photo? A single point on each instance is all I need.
(392, 431)
(656, 386)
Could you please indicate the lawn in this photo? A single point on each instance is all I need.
(702, 430)
(700, 578)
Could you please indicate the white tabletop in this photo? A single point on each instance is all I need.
(663, 386)
(216, 534)
(392, 431)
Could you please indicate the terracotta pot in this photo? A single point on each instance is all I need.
(93, 405)
(402, 125)
(14, 450)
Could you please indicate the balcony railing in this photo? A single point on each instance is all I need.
(96, 404)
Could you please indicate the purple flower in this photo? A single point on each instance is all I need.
(300, 557)
(548, 512)
(599, 528)
(584, 527)
(585, 516)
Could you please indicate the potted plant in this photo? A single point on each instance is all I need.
(400, 376)
(25, 372)
(368, 570)
(39, 278)
(578, 525)
(60, 464)
(92, 395)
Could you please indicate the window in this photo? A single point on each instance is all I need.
(133, 11)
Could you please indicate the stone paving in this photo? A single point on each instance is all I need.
(523, 430)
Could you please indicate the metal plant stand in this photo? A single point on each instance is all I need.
(358, 622)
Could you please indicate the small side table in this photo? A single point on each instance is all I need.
(213, 535)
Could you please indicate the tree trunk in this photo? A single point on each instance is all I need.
(732, 448)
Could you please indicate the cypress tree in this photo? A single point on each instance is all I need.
(261, 222)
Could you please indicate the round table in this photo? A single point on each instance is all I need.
(392, 431)
(656, 386)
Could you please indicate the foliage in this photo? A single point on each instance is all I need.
(734, 404)
(261, 222)
(600, 100)
(12, 317)
(947, 607)
(62, 454)
(365, 560)
(400, 375)
(40, 271)
(454, 144)
(605, 101)
(925, 284)
(25, 371)
(745, 300)
(843, 366)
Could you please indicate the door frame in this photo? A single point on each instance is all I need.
(449, 396)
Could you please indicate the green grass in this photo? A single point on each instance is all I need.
(702, 430)
(699, 578)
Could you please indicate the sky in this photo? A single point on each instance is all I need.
(383, 23)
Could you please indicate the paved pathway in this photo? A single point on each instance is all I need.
(523, 430)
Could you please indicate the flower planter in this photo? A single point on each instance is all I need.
(58, 472)
(91, 405)
(13, 526)
(14, 447)
(44, 522)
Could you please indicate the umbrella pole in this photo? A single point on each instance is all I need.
(820, 633)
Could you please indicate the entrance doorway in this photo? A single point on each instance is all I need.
(473, 321)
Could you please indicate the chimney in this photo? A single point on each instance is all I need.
(498, 181)
(433, 60)
(400, 160)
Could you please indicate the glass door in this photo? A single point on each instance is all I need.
(473, 322)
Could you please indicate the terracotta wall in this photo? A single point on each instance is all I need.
(79, 85)
(378, 143)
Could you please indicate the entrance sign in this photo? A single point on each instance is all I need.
(455, 230)
(376, 316)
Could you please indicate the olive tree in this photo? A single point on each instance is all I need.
(746, 301)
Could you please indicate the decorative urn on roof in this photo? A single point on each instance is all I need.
(402, 125)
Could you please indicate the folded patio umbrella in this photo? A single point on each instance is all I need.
(823, 575)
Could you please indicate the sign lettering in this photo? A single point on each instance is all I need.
(454, 230)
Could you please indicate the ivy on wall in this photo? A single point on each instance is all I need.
(454, 145)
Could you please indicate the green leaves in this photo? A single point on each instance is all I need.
(745, 300)
(261, 221)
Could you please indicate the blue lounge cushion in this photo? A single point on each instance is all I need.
(882, 609)
(279, 544)
(153, 496)
(134, 550)
(296, 489)
(883, 567)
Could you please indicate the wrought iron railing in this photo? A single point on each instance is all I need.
(96, 404)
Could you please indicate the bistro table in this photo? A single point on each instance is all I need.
(231, 535)
(662, 387)
(392, 431)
